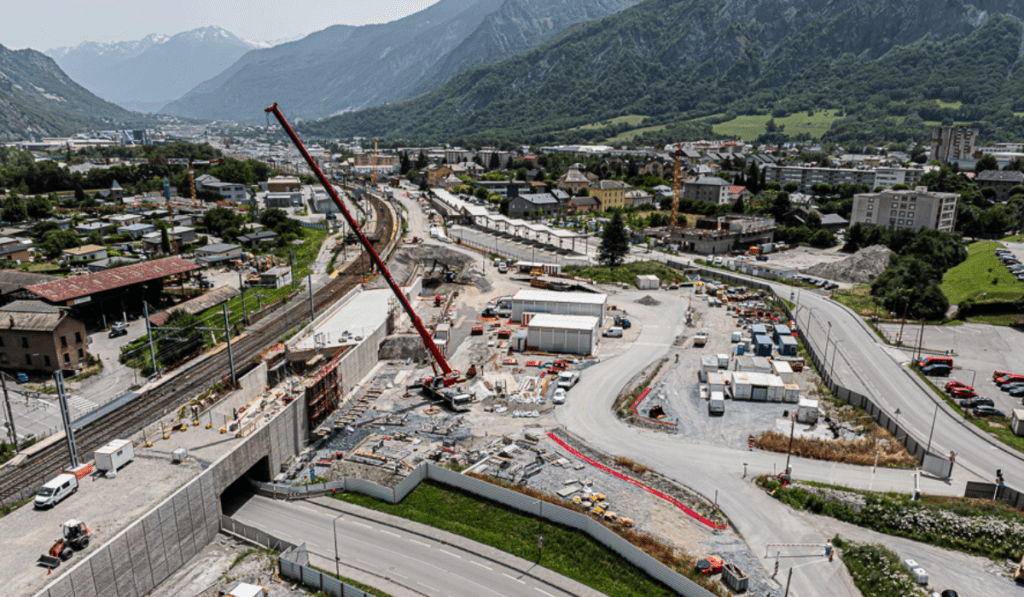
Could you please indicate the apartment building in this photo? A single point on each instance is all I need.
(914, 209)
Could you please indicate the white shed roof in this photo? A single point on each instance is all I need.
(756, 379)
(564, 322)
(551, 296)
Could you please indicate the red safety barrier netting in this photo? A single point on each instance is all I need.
(651, 490)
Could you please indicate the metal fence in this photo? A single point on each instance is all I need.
(292, 560)
(549, 512)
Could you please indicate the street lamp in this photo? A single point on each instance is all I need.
(337, 560)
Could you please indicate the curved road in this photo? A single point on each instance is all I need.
(418, 564)
(707, 468)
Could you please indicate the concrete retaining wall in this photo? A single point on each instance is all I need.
(140, 557)
(251, 385)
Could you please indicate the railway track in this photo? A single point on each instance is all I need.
(16, 483)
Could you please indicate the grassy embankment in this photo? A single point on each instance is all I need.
(983, 528)
(566, 551)
(983, 280)
(626, 273)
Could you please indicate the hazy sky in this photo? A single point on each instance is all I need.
(44, 24)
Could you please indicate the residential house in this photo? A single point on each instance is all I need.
(737, 192)
(833, 222)
(87, 228)
(152, 242)
(15, 252)
(85, 253)
(1002, 181)
(124, 219)
(229, 191)
(217, 253)
(110, 263)
(255, 239)
(136, 231)
(528, 205)
(40, 337)
(914, 209)
(584, 204)
(116, 192)
(284, 184)
(638, 197)
(451, 182)
(707, 188)
(573, 181)
(611, 193)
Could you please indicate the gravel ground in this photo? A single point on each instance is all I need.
(28, 533)
(213, 571)
(861, 267)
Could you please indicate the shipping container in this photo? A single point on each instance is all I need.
(779, 331)
(763, 346)
(791, 393)
(788, 347)
(114, 455)
(783, 370)
(807, 411)
(708, 363)
(648, 282)
(716, 381)
(723, 361)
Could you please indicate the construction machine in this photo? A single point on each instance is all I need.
(449, 271)
(74, 537)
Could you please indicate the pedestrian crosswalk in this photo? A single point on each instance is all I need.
(81, 405)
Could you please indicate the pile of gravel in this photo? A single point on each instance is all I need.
(649, 300)
(861, 267)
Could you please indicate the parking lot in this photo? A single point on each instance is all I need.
(977, 350)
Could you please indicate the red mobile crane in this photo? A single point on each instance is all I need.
(450, 376)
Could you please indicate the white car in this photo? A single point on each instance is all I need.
(559, 397)
(613, 332)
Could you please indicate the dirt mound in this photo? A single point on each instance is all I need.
(861, 267)
(649, 300)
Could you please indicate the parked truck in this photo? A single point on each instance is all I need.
(567, 379)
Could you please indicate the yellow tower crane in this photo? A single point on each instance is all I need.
(677, 183)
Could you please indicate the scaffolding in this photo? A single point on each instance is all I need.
(323, 392)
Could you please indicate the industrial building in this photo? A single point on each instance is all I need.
(723, 234)
(570, 334)
(527, 303)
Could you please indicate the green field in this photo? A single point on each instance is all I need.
(566, 551)
(750, 127)
(626, 273)
(953, 105)
(981, 278)
(628, 136)
(630, 119)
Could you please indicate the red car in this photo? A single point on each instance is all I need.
(963, 392)
(956, 384)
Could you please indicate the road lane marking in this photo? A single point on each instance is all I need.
(420, 543)
(390, 533)
(398, 575)
(308, 509)
(543, 591)
(451, 554)
(362, 525)
(428, 587)
(514, 578)
(481, 565)
(365, 563)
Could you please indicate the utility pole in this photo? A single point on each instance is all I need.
(65, 415)
(935, 416)
(788, 579)
(789, 450)
(899, 339)
(241, 286)
(227, 336)
(10, 413)
(149, 332)
(312, 310)
(920, 341)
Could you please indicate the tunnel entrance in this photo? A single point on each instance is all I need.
(240, 491)
(656, 413)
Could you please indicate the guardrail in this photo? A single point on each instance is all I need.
(550, 512)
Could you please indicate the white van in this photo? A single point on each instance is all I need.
(737, 337)
(56, 490)
(613, 332)
(716, 405)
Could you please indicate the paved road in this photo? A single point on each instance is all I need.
(418, 563)
(759, 518)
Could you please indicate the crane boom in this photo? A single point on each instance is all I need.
(428, 342)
